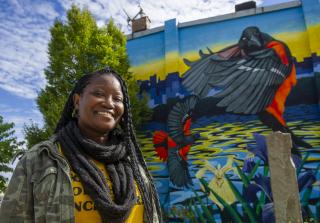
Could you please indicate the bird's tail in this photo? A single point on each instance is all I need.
(178, 169)
(297, 140)
(269, 120)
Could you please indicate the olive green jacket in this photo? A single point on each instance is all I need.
(40, 189)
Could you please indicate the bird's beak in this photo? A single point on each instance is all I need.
(254, 42)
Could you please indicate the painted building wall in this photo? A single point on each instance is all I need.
(227, 138)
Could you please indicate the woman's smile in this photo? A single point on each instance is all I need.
(104, 113)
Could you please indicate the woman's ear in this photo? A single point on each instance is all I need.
(76, 99)
(75, 111)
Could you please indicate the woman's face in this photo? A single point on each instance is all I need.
(100, 105)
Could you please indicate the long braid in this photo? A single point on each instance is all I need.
(139, 154)
(66, 115)
(141, 160)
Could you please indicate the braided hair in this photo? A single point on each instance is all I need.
(127, 133)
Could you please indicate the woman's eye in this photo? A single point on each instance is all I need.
(98, 93)
(118, 99)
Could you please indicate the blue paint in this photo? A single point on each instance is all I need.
(311, 9)
(229, 31)
(171, 36)
(150, 47)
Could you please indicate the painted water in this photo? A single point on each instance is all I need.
(227, 139)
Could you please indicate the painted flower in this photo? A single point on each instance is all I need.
(248, 165)
(260, 149)
(259, 183)
(268, 213)
(218, 183)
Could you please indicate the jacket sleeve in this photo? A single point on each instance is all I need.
(17, 202)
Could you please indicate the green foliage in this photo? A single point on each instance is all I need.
(198, 212)
(34, 134)
(302, 163)
(9, 147)
(140, 111)
(246, 206)
(77, 47)
(254, 170)
(234, 214)
(205, 209)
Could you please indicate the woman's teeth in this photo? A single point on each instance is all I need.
(104, 113)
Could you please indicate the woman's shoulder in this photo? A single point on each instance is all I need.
(38, 157)
(46, 145)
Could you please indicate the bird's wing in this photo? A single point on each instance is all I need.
(179, 118)
(178, 170)
(187, 126)
(246, 84)
(183, 152)
(195, 80)
(160, 139)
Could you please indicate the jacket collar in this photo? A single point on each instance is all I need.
(51, 147)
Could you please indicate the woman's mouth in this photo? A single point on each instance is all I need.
(105, 113)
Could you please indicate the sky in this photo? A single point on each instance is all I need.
(24, 36)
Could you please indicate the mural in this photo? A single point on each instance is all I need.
(217, 89)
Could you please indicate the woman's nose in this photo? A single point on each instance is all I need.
(108, 101)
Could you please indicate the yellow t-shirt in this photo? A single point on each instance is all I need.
(85, 210)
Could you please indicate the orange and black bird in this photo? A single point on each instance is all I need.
(254, 76)
(173, 147)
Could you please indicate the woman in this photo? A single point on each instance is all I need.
(92, 169)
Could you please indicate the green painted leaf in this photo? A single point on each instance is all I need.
(233, 213)
(243, 177)
(199, 214)
(254, 170)
(205, 210)
(248, 210)
(302, 163)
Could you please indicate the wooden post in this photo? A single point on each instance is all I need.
(283, 176)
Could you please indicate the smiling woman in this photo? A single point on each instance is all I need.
(92, 169)
(100, 107)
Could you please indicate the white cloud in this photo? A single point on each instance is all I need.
(6, 109)
(186, 10)
(24, 35)
(158, 11)
(24, 31)
(45, 9)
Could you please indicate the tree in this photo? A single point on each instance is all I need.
(9, 146)
(34, 134)
(79, 46)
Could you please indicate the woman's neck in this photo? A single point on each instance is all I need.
(95, 136)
